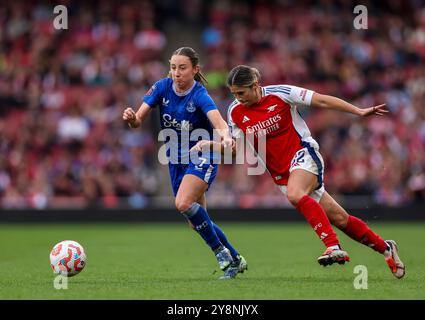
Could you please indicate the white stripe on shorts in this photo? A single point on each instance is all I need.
(208, 174)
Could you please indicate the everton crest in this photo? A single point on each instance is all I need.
(190, 107)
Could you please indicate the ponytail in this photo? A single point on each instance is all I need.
(201, 78)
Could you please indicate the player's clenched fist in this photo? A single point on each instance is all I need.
(129, 116)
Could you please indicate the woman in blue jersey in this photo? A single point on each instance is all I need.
(185, 106)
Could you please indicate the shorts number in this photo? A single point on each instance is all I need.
(298, 158)
(203, 160)
(301, 156)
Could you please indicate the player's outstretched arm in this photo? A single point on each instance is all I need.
(334, 103)
(212, 145)
(207, 145)
(221, 126)
(135, 119)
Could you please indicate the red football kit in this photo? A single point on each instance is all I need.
(289, 146)
(277, 117)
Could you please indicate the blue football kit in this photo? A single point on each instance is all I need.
(184, 122)
(182, 117)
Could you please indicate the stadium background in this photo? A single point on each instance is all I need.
(62, 93)
(66, 155)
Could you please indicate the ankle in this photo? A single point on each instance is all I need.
(218, 249)
(387, 253)
(335, 247)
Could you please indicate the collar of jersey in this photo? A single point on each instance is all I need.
(181, 94)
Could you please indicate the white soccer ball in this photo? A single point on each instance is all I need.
(68, 258)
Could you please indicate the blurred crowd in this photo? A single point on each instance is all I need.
(62, 92)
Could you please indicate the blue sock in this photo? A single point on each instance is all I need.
(224, 241)
(203, 225)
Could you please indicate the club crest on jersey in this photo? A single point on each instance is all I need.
(271, 108)
(190, 107)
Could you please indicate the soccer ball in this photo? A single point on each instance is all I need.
(68, 258)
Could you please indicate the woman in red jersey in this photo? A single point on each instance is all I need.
(293, 160)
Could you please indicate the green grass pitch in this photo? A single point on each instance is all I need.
(170, 261)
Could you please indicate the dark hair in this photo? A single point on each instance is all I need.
(243, 76)
(194, 59)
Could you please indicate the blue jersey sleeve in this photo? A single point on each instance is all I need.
(155, 93)
(205, 102)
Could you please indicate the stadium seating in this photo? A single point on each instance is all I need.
(62, 92)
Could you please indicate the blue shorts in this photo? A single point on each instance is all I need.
(206, 172)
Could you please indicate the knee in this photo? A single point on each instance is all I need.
(191, 225)
(182, 205)
(294, 196)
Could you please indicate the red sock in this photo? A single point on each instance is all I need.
(358, 230)
(316, 217)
